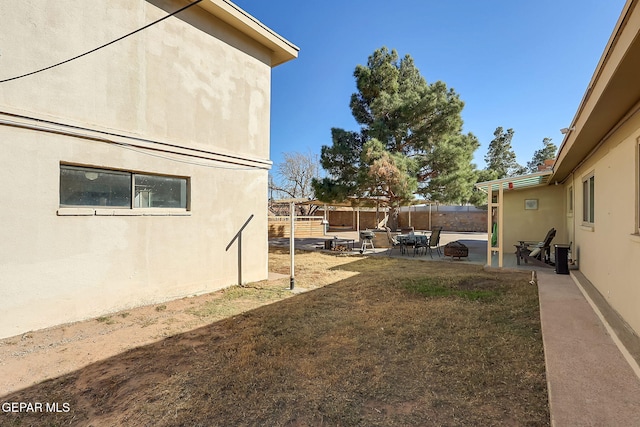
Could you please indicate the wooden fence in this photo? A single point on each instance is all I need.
(305, 226)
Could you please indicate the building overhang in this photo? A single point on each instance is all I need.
(537, 179)
(282, 50)
(613, 94)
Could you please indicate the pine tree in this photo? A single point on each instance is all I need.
(410, 139)
(500, 156)
(547, 152)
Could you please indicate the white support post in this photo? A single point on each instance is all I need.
(500, 222)
(325, 223)
(292, 249)
(489, 224)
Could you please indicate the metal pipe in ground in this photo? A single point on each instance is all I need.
(292, 249)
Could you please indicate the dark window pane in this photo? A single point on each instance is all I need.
(592, 198)
(585, 201)
(160, 192)
(94, 187)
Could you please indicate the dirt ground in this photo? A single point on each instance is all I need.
(36, 356)
(40, 355)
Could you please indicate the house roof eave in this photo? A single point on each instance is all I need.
(281, 49)
(613, 91)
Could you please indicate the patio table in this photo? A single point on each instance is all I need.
(411, 240)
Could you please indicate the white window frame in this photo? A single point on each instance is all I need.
(637, 230)
(588, 199)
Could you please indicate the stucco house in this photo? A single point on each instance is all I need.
(592, 194)
(130, 173)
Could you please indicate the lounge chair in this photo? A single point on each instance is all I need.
(538, 253)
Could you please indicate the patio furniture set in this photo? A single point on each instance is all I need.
(539, 253)
(419, 242)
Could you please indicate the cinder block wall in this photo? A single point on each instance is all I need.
(449, 221)
(472, 220)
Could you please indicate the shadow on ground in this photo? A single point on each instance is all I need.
(367, 350)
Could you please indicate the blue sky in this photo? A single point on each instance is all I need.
(516, 64)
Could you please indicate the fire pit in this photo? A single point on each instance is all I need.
(456, 250)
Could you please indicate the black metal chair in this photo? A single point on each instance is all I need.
(434, 241)
(421, 243)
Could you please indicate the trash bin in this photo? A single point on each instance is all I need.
(562, 259)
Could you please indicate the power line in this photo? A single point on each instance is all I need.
(103, 46)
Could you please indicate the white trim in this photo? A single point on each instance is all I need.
(587, 200)
(637, 230)
(484, 186)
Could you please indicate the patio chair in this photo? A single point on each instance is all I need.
(408, 241)
(421, 243)
(434, 241)
(538, 253)
(393, 242)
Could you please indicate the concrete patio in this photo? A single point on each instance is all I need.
(476, 242)
(592, 379)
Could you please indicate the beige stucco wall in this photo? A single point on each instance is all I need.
(533, 224)
(193, 90)
(192, 80)
(58, 268)
(608, 252)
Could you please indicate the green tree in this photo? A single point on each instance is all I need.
(409, 141)
(500, 156)
(293, 177)
(295, 174)
(478, 197)
(548, 151)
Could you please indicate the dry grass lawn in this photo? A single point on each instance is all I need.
(374, 342)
